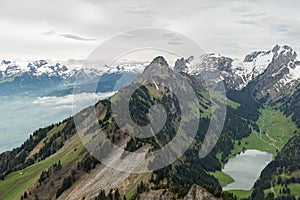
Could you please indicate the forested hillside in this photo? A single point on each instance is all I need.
(289, 103)
(59, 161)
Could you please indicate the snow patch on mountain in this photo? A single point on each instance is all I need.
(293, 75)
(127, 67)
(257, 65)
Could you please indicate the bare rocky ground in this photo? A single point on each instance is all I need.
(195, 193)
(104, 178)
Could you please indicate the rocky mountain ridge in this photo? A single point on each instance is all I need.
(265, 71)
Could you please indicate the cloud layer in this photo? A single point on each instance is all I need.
(68, 29)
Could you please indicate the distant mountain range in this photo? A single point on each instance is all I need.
(43, 78)
(267, 72)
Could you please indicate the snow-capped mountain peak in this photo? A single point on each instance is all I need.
(284, 50)
(272, 69)
(41, 67)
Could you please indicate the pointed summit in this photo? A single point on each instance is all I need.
(159, 60)
(284, 50)
(158, 63)
(158, 67)
(277, 47)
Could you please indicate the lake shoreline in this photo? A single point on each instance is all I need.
(245, 168)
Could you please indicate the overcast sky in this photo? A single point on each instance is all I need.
(72, 29)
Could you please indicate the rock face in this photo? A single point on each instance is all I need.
(157, 67)
(215, 67)
(199, 193)
(282, 71)
(158, 195)
(195, 193)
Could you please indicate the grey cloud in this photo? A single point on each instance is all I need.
(240, 9)
(68, 36)
(248, 22)
(254, 14)
(75, 61)
(51, 32)
(281, 28)
(175, 43)
(76, 37)
(127, 35)
(172, 36)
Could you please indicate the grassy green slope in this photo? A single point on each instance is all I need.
(15, 184)
(241, 193)
(224, 179)
(275, 131)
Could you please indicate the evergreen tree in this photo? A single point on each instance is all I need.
(270, 196)
(101, 195)
(117, 195)
(110, 195)
(25, 195)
